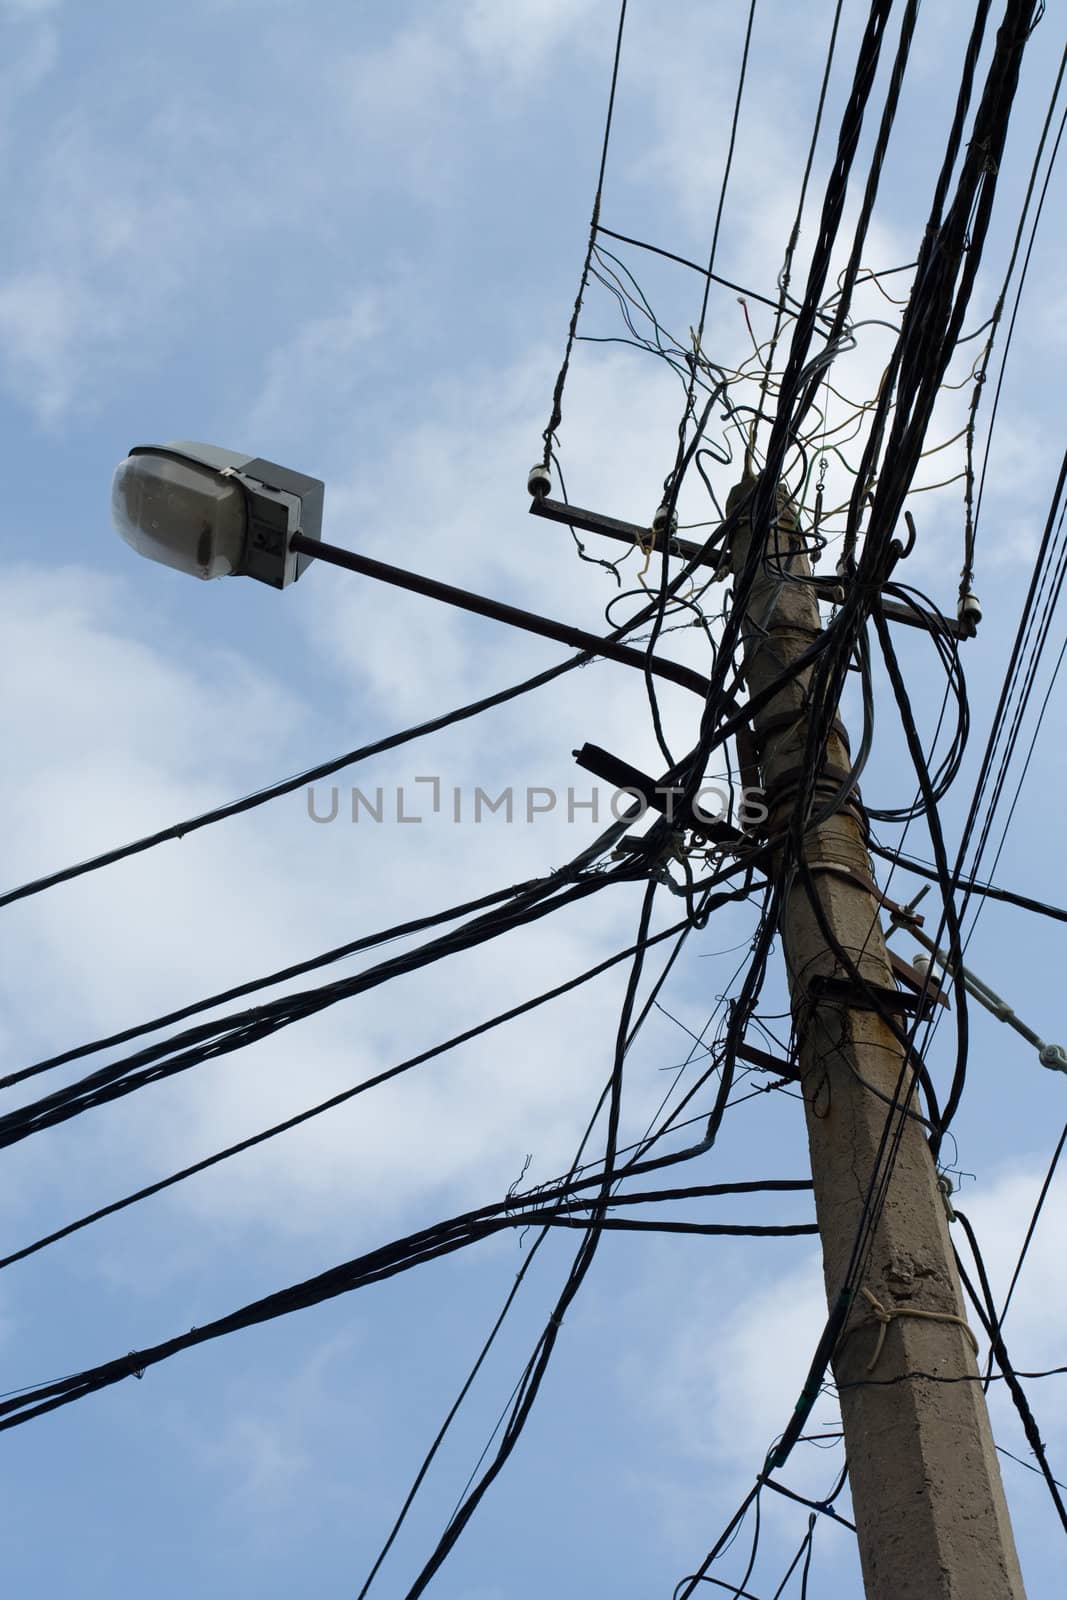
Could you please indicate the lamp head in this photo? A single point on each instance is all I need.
(214, 513)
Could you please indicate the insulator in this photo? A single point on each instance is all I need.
(539, 482)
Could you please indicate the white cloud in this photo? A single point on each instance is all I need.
(319, 367)
(408, 96)
(411, 76)
(129, 720)
(725, 1380)
(727, 1397)
(264, 1460)
(121, 238)
(520, 39)
(123, 734)
(43, 316)
(96, 263)
(1033, 1327)
(28, 8)
(29, 59)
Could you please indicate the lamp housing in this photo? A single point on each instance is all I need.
(214, 513)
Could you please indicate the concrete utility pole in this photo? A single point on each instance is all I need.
(929, 1505)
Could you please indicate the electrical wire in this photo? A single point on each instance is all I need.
(283, 975)
(556, 415)
(334, 1101)
(325, 769)
(986, 1310)
(987, 891)
(375, 1266)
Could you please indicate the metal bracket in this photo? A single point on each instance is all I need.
(763, 1058)
(658, 797)
(899, 915)
(917, 981)
(870, 997)
(632, 533)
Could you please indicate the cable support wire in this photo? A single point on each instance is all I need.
(334, 1101)
(547, 1206)
(221, 1036)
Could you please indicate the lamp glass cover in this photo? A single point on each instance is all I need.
(180, 514)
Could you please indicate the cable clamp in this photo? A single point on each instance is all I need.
(1054, 1057)
(944, 1184)
(907, 916)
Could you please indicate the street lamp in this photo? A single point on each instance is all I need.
(214, 513)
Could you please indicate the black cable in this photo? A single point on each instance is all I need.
(221, 1036)
(543, 1234)
(686, 452)
(733, 1230)
(1019, 1462)
(757, 1529)
(807, 1561)
(625, 1038)
(1032, 1225)
(940, 1377)
(451, 1414)
(556, 416)
(785, 275)
(1038, 575)
(1038, 724)
(1051, 598)
(987, 891)
(668, 255)
(727, 166)
(948, 262)
(340, 952)
(335, 1100)
(538, 1363)
(325, 769)
(969, 553)
(375, 1266)
(874, 173)
(684, 1589)
(937, 839)
(823, 1507)
(987, 1313)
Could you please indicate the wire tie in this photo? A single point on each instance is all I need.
(883, 1318)
(136, 1372)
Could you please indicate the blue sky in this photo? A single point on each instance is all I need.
(347, 237)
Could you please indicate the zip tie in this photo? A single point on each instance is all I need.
(883, 1317)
